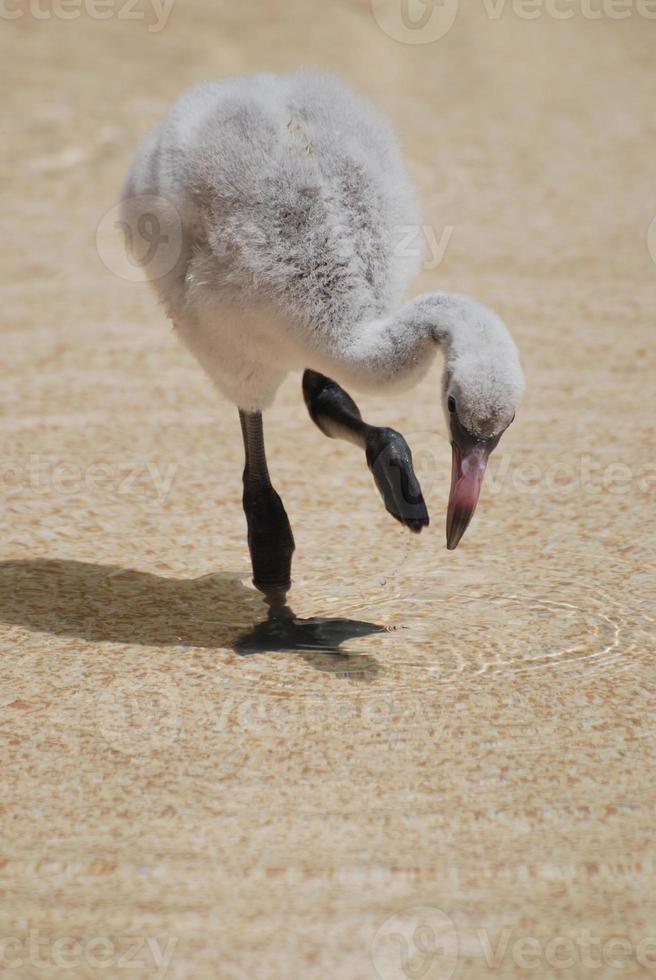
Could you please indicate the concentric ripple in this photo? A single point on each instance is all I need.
(562, 617)
(494, 615)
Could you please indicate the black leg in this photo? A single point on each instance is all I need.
(388, 455)
(270, 537)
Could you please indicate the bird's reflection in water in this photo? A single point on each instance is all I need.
(283, 631)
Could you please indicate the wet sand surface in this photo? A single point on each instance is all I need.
(448, 771)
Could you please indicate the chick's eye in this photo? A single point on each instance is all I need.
(451, 403)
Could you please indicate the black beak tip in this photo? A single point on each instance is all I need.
(456, 530)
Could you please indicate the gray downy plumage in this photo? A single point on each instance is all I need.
(294, 202)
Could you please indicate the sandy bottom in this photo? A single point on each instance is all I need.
(449, 771)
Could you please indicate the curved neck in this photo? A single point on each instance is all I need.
(458, 324)
(398, 350)
(392, 351)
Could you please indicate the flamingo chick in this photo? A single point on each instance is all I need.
(289, 199)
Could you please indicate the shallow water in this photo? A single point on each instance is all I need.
(440, 746)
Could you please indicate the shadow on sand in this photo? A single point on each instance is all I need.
(105, 603)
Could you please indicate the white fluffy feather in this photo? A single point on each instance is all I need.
(293, 199)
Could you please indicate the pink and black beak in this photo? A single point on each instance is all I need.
(469, 460)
